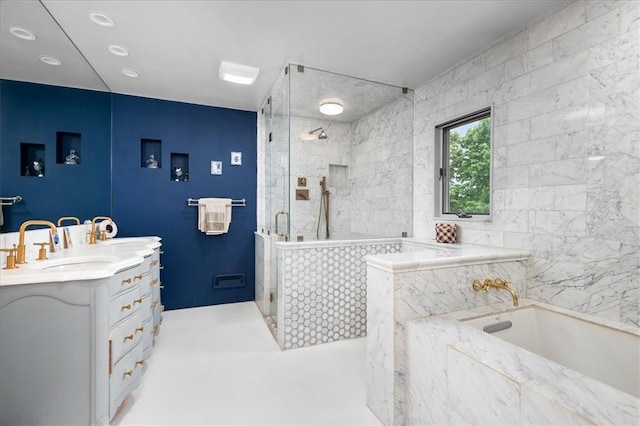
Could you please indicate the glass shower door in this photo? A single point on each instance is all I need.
(277, 185)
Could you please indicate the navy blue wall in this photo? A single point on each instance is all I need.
(147, 202)
(33, 113)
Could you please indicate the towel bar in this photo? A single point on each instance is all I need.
(9, 201)
(235, 203)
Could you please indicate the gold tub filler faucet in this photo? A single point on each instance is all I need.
(497, 283)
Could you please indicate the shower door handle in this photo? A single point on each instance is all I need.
(284, 234)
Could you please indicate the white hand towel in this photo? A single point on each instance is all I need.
(214, 215)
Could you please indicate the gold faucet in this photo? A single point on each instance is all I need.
(62, 219)
(92, 233)
(497, 283)
(11, 257)
(21, 247)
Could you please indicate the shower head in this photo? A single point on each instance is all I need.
(322, 135)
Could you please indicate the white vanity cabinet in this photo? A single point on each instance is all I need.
(126, 333)
(156, 286)
(71, 351)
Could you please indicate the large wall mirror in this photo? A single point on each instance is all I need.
(55, 122)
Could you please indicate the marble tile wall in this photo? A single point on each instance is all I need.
(563, 91)
(381, 168)
(322, 292)
(395, 298)
(312, 158)
(460, 375)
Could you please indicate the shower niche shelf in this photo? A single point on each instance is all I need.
(32, 159)
(151, 153)
(68, 148)
(179, 167)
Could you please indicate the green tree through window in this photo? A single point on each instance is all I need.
(467, 175)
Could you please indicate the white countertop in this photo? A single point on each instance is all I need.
(89, 262)
(431, 255)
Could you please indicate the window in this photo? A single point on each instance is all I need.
(463, 169)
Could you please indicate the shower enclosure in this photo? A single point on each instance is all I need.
(345, 177)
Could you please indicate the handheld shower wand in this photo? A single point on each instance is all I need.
(324, 206)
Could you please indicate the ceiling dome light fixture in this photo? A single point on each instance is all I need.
(49, 60)
(130, 73)
(331, 108)
(101, 19)
(22, 33)
(118, 50)
(236, 73)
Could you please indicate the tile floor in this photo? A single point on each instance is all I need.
(220, 365)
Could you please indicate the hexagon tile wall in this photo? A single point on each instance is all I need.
(324, 292)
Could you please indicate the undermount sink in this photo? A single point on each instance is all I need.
(79, 263)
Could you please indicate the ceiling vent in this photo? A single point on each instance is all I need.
(236, 73)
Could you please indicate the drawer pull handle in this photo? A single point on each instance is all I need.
(126, 307)
(137, 301)
(139, 329)
(126, 281)
(154, 281)
(154, 262)
(155, 330)
(161, 267)
(129, 337)
(154, 303)
(140, 362)
(128, 373)
(138, 277)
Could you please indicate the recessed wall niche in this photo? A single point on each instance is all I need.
(151, 153)
(179, 167)
(68, 148)
(32, 159)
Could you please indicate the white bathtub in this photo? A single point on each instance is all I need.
(608, 354)
(552, 366)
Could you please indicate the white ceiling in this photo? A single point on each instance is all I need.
(177, 46)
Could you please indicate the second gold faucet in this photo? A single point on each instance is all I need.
(497, 283)
(92, 233)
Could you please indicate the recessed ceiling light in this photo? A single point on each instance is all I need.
(101, 19)
(22, 33)
(51, 60)
(236, 73)
(118, 50)
(331, 108)
(130, 73)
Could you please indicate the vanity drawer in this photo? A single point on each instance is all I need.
(126, 336)
(146, 312)
(146, 264)
(125, 376)
(156, 306)
(145, 284)
(124, 280)
(124, 305)
(147, 338)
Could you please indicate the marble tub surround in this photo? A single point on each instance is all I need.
(418, 284)
(564, 90)
(102, 260)
(459, 375)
